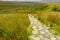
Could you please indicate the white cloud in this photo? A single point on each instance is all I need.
(7, 0)
(20, 0)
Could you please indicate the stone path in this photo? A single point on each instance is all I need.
(40, 31)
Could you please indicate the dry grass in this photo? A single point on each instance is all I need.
(14, 26)
(50, 18)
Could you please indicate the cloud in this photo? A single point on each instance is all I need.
(34, 0)
(50, 0)
(7, 0)
(20, 0)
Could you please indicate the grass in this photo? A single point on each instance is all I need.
(13, 26)
(14, 20)
(49, 15)
(50, 18)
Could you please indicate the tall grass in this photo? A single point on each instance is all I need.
(50, 18)
(14, 20)
(13, 26)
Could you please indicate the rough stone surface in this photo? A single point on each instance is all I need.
(40, 31)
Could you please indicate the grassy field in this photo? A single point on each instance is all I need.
(13, 26)
(14, 18)
(50, 16)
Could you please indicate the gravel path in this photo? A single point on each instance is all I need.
(40, 31)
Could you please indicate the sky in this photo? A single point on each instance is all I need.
(20, 0)
(34, 0)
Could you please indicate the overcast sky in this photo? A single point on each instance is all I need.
(34, 0)
(20, 0)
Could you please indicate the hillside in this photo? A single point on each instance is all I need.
(14, 20)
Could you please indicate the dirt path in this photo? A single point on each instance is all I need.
(40, 31)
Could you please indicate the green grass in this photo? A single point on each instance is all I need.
(50, 18)
(14, 26)
(49, 15)
(14, 22)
